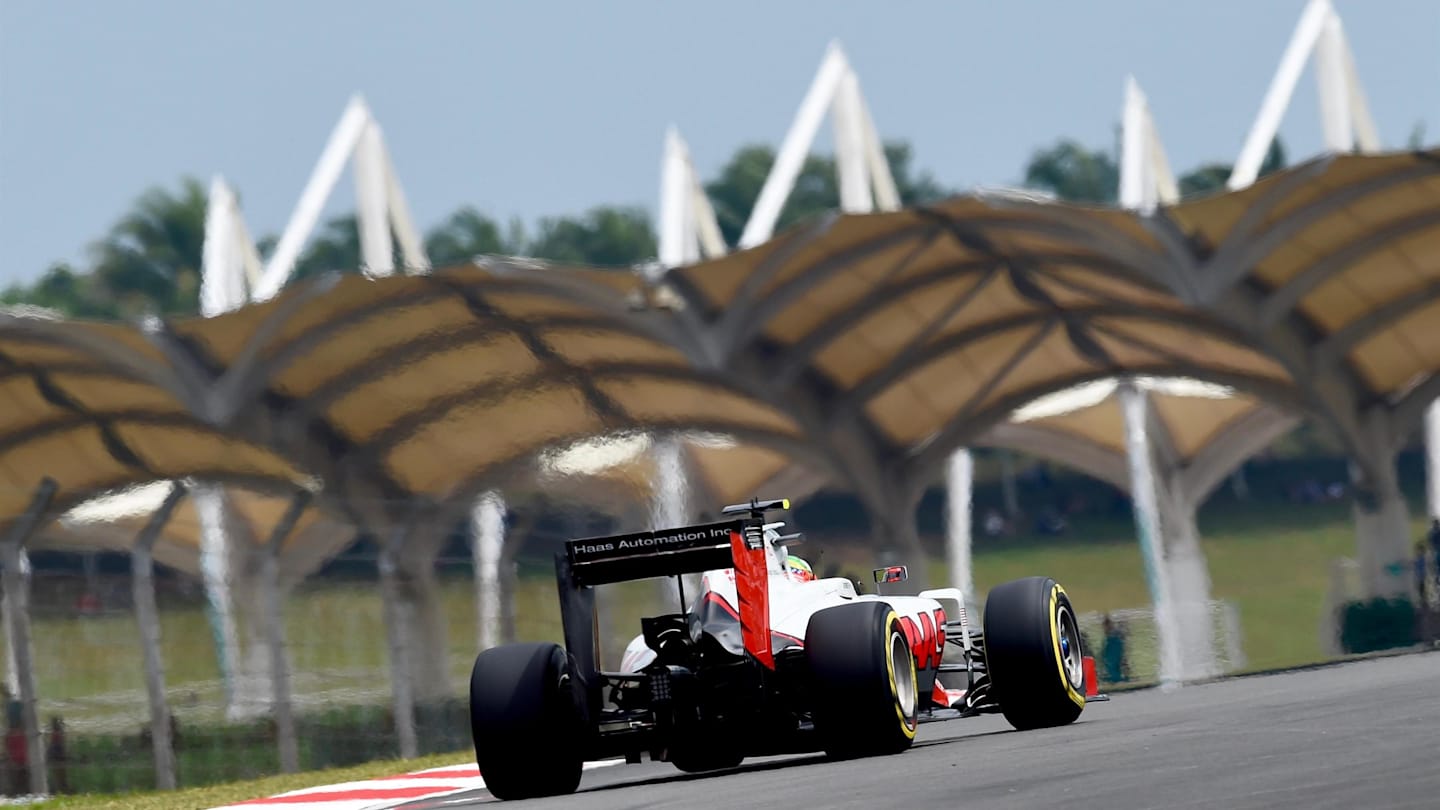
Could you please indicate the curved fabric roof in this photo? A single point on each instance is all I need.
(928, 325)
(440, 386)
(866, 347)
(612, 474)
(925, 327)
(93, 407)
(1198, 431)
(113, 522)
(1330, 267)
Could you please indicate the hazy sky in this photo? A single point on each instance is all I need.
(541, 108)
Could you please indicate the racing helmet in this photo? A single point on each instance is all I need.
(798, 568)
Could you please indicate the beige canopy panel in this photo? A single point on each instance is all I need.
(1349, 244)
(443, 385)
(112, 522)
(1195, 428)
(617, 473)
(930, 325)
(864, 347)
(93, 407)
(1332, 268)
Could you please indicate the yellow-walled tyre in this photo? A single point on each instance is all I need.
(865, 699)
(1033, 653)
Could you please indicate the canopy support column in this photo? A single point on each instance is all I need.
(1382, 517)
(396, 624)
(1189, 578)
(147, 616)
(1009, 492)
(18, 630)
(1432, 459)
(670, 505)
(1147, 522)
(286, 738)
(215, 552)
(425, 615)
(487, 548)
(959, 491)
(897, 538)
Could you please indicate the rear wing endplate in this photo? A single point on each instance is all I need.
(642, 555)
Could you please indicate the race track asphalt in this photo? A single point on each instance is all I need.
(1359, 735)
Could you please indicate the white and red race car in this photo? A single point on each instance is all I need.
(763, 661)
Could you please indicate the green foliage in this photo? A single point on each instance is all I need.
(225, 794)
(816, 190)
(468, 233)
(210, 754)
(1077, 173)
(1212, 177)
(605, 237)
(1074, 173)
(149, 261)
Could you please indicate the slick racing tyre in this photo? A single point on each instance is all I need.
(1033, 653)
(864, 685)
(527, 728)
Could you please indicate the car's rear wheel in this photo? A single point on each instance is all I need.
(526, 725)
(1033, 653)
(865, 694)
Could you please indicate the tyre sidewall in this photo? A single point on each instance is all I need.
(856, 679)
(1023, 654)
(527, 729)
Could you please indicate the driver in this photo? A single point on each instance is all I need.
(798, 569)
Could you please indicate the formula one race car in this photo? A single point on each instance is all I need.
(766, 660)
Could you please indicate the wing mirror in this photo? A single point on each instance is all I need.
(891, 574)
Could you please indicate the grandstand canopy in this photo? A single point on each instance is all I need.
(1199, 431)
(96, 407)
(929, 325)
(437, 387)
(112, 522)
(864, 347)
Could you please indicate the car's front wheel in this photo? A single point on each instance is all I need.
(866, 699)
(526, 725)
(1033, 653)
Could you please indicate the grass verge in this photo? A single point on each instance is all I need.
(220, 795)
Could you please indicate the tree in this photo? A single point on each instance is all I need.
(335, 249)
(1212, 177)
(605, 236)
(1074, 173)
(466, 234)
(150, 260)
(817, 188)
(65, 291)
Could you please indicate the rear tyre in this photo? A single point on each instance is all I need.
(1033, 653)
(863, 674)
(527, 728)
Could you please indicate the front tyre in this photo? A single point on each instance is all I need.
(865, 696)
(526, 726)
(1033, 653)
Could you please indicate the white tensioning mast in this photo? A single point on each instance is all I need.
(380, 204)
(1345, 114)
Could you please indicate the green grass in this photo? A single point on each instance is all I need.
(1274, 567)
(1272, 563)
(218, 795)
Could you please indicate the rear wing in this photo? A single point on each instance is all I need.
(665, 553)
(737, 543)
